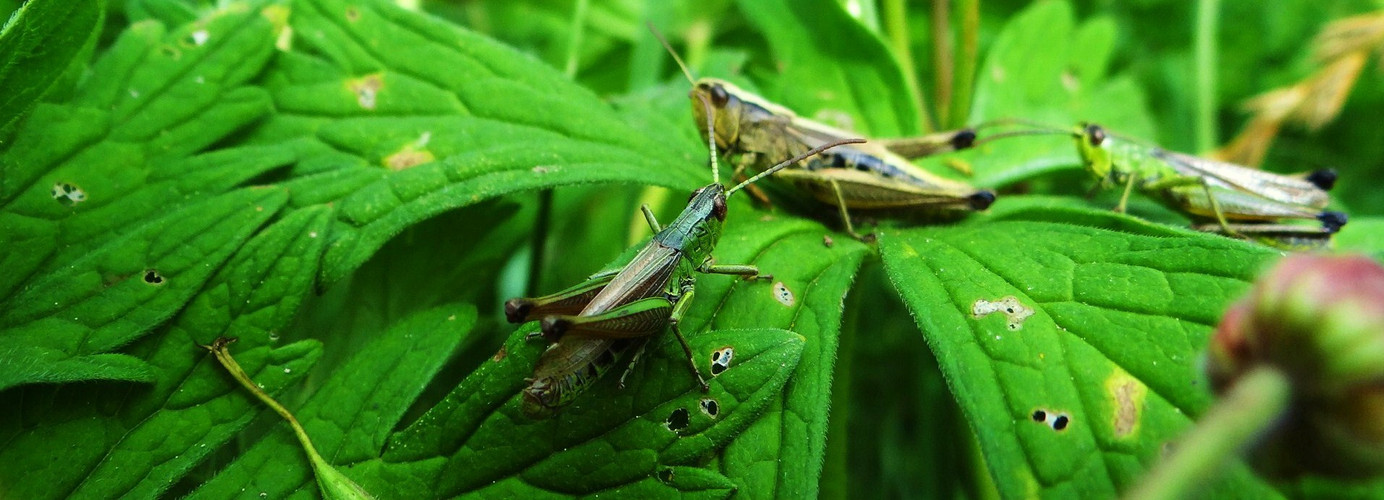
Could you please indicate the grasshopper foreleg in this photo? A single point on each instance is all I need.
(649, 217)
(679, 308)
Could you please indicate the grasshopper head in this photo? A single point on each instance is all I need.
(725, 110)
(1090, 144)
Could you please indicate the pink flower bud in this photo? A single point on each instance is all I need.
(1320, 320)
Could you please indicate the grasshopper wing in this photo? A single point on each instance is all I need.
(1278, 188)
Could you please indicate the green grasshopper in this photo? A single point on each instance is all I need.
(592, 325)
(1223, 192)
(873, 175)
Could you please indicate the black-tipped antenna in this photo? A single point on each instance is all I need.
(664, 41)
(793, 160)
(1017, 121)
(1018, 133)
(710, 137)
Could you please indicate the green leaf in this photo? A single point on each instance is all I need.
(399, 141)
(1104, 328)
(850, 70)
(355, 410)
(40, 42)
(781, 453)
(104, 440)
(81, 174)
(121, 290)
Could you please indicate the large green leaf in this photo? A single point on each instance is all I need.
(1100, 327)
(39, 43)
(396, 140)
(107, 440)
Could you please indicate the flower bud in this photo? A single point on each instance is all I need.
(1320, 321)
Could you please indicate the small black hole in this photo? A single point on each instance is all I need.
(717, 368)
(1039, 415)
(711, 407)
(665, 475)
(1059, 423)
(152, 277)
(678, 420)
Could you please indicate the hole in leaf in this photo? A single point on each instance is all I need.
(711, 407)
(1056, 420)
(68, 194)
(678, 420)
(666, 475)
(720, 360)
(153, 277)
(1014, 311)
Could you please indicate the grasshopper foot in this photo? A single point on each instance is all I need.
(1332, 221)
(517, 309)
(554, 326)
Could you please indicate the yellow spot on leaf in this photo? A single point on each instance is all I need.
(407, 159)
(1127, 395)
(366, 89)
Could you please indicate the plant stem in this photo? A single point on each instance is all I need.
(539, 241)
(942, 63)
(575, 38)
(1208, 17)
(896, 32)
(966, 64)
(1243, 413)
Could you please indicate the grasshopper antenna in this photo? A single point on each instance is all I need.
(710, 135)
(1018, 133)
(664, 41)
(785, 163)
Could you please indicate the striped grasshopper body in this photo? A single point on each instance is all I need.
(592, 325)
(873, 175)
(1229, 199)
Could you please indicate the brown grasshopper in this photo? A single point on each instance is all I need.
(592, 325)
(873, 175)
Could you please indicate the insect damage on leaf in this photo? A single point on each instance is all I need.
(366, 89)
(783, 294)
(411, 155)
(710, 407)
(1056, 420)
(1014, 311)
(1127, 394)
(720, 359)
(152, 277)
(678, 420)
(68, 194)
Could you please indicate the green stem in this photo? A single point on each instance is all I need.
(575, 38)
(1243, 413)
(968, 61)
(1208, 19)
(943, 65)
(896, 32)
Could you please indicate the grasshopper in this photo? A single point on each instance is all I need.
(1241, 201)
(592, 325)
(873, 175)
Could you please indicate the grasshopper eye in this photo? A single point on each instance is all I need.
(1096, 134)
(718, 207)
(719, 97)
